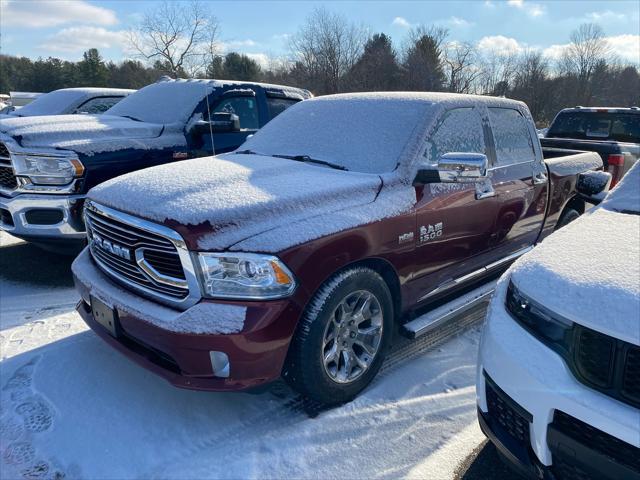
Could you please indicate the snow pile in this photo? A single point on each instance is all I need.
(573, 273)
(574, 164)
(625, 197)
(64, 100)
(204, 318)
(88, 134)
(238, 195)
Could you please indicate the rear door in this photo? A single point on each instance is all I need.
(520, 181)
(454, 229)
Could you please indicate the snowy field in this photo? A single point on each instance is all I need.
(73, 407)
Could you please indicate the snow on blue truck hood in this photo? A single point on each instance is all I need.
(86, 134)
(235, 197)
(589, 272)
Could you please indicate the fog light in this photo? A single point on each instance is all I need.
(220, 364)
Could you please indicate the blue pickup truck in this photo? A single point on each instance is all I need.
(47, 164)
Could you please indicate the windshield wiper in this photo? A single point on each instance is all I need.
(308, 159)
(131, 118)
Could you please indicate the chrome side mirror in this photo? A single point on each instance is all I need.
(458, 167)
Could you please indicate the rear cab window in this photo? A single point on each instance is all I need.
(277, 105)
(512, 137)
(616, 126)
(98, 105)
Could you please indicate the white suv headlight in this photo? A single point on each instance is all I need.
(249, 276)
(47, 169)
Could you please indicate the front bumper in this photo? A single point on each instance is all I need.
(541, 397)
(43, 217)
(256, 353)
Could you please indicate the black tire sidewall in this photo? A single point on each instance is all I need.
(309, 373)
(567, 217)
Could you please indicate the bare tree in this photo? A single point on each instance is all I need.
(497, 70)
(182, 37)
(460, 67)
(325, 48)
(587, 49)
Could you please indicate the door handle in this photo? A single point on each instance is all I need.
(484, 190)
(481, 195)
(539, 178)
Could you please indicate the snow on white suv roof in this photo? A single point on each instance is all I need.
(574, 276)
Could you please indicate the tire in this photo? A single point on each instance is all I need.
(340, 379)
(568, 216)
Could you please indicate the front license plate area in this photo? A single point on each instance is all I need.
(106, 316)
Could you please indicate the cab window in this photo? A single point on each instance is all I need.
(278, 105)
(244, 107)
(512, 137)
(98, 105)
(459, 130)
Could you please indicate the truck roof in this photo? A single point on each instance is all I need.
(219, 83)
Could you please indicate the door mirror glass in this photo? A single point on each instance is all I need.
(461, 167)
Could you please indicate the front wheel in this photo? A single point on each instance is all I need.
(343, 337)
(568, 216)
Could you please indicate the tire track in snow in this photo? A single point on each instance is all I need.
(292, 408)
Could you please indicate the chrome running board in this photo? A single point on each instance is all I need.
(439, 316)
(456, 282)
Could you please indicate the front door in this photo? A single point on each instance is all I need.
(454, 229)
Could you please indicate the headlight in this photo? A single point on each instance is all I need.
(48, 170)
(244, 275)
(542, 322)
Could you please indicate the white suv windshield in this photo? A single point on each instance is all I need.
(358, 132)
(52, 103)
(165, 102)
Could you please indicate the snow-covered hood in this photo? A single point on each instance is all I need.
(589, 272)
(226, 199)
(86, 134)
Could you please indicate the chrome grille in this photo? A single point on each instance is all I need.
(134, 256)
(8, 179)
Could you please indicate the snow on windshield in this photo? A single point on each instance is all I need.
(625, 197)
(52, 103)
(363, 132)
(164, 102)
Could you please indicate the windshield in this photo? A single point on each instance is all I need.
(358, 132)
(619, 127)
(53, 103)
(164, 102)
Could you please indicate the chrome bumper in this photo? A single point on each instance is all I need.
(65, 209)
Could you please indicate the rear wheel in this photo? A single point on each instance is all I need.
(343, 337)
(568, 216)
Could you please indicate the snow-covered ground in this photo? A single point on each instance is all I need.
(71, 406)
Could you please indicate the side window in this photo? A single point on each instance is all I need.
(460, 130)
(278, 105)
(98, 105)
(512, 137)
(245, 107)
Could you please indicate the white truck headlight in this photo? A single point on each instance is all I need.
(248, 276)
(48, 169)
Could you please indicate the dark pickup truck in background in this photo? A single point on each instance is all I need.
(48, 164)
(613, 133)
(304, 251)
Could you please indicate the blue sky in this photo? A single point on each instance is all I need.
(65, 28)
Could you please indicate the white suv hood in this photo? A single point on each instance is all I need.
(589, 272)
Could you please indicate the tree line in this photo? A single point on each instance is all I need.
(330, 54)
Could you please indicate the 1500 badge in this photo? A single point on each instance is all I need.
(430, 232)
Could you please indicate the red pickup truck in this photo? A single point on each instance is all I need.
(303, 252)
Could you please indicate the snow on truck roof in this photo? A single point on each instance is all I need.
(173, 101)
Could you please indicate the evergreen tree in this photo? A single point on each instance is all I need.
(377, 69)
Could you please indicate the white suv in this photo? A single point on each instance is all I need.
(558, 386)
